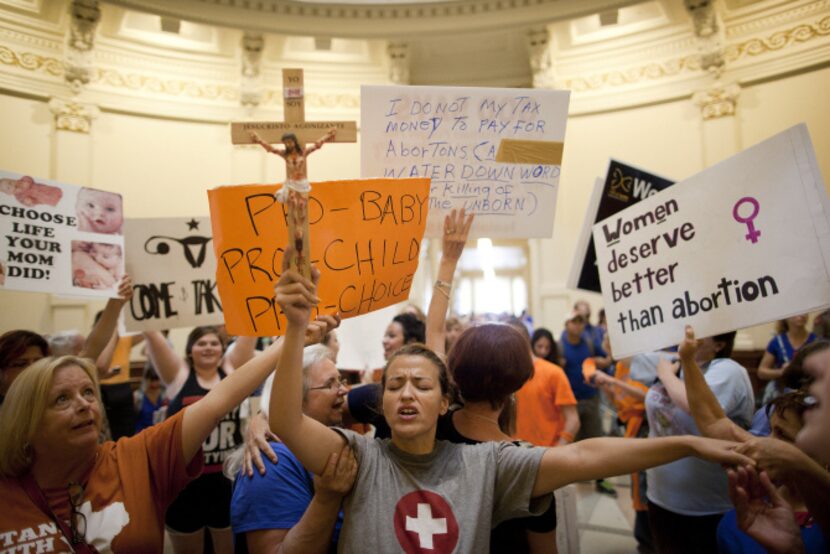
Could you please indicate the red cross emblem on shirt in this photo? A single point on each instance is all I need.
(424, 522)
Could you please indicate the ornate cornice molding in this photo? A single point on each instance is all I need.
(103, 78)
(649, 72)
(38, 41)
(166, 86)
(743, 26)
(778, 40)
(31, 61)
(690, 64)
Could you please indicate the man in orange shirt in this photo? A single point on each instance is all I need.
(545, 405)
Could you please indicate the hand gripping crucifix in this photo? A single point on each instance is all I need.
(295, 133)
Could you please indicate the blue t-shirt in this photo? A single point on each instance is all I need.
(732, 540)
(276, 500)
(783, 351)
(574, 355)
(760, 423)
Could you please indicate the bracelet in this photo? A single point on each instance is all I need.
(443, 291)
(569, 437)
(439, 283)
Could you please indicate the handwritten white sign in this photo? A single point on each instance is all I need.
(453, 135)
(173, 267)
(744, 242)
(59, 238)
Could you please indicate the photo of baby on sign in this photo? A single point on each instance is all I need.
(97, 265)
(59, 238)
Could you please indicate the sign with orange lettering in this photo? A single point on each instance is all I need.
(365, 240)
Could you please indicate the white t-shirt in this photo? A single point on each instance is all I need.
(691, 486)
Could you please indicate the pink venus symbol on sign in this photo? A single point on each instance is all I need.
(756, 207)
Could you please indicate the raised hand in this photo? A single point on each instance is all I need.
(667, 367)
(125, 288)
(320, 327)
(456, 229)
(297, 296)
(688, 346)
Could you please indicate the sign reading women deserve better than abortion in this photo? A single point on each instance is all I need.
(741, 243)
(495, 152)
(59, 238)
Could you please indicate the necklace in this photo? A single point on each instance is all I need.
(494, 420)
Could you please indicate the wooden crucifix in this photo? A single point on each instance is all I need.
(295, 133)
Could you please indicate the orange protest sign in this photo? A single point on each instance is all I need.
(365, 240)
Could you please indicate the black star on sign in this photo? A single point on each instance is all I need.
(192, 224)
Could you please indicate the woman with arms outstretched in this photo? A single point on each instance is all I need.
(413, 492)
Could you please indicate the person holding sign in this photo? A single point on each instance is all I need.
(59, 485)
(204, 503)
(687, 498)
(295, 191)
(414, 492)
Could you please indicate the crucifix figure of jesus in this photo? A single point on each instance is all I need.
(300, 138)
(294, 192)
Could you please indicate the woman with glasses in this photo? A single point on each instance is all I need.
(59, 485)
(285, 507)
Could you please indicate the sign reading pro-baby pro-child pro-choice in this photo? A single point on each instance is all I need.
(741, 243)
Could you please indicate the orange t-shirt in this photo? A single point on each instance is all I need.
(539, 419)
(124, 501)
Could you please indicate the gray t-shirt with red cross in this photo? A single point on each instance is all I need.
(443, 502)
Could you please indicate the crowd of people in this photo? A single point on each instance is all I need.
(455, 445)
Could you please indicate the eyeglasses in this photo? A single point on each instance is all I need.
(331, 385)
(77, 519)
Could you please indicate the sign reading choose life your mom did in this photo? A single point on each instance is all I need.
(365, 241)
(173, 268)
(496, 153)
(741, 243)
(59, 238)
